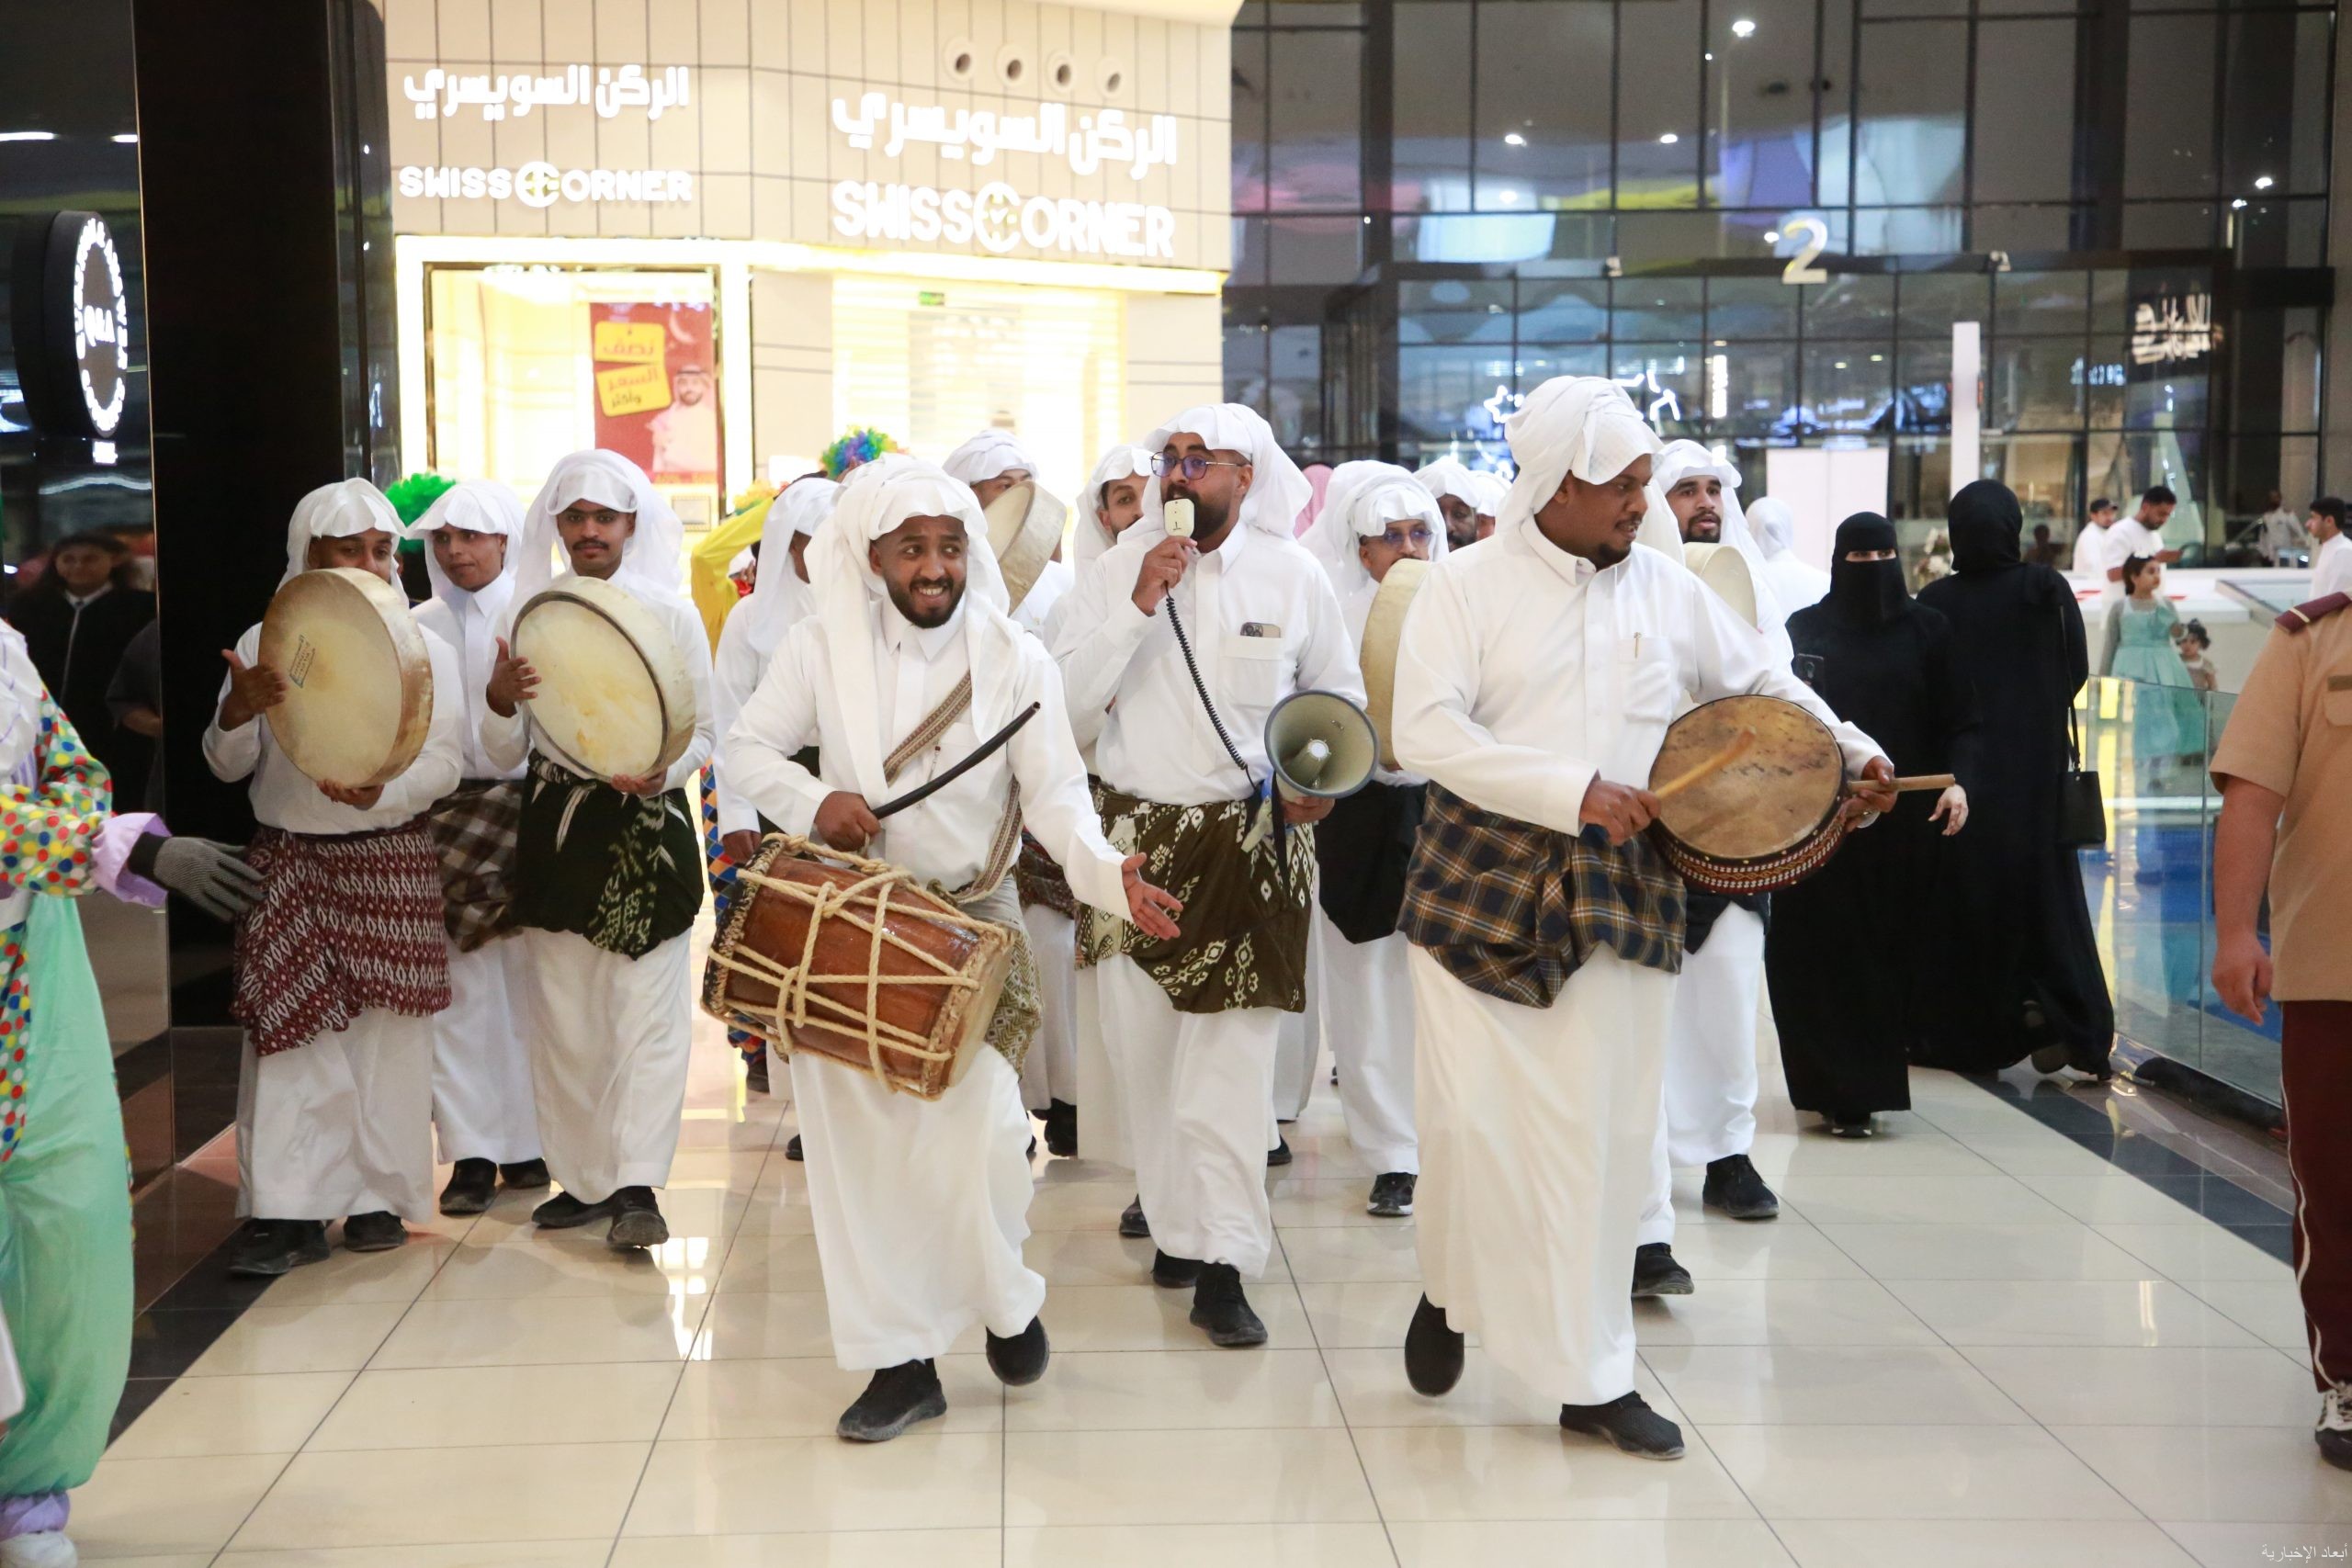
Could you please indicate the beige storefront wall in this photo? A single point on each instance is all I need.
(1015, 181)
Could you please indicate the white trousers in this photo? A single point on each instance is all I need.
(1708, 1109)
(482, 1106)
(339, 1125)
(1368, 1021)
(1050, 1070)
(920, 1209)
(1197, 1086)
(609, 1041)
(1300, 1043)
(1535, 1131)
(1102, 1103)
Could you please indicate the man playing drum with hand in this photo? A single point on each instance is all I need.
(911, 660)
(342, 965)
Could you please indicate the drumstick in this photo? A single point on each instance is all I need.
(980, 753)
(1909, 783)
(1732, 752)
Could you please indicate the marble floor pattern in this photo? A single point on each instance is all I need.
(1971, 1342)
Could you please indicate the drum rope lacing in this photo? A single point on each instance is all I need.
(793, 981)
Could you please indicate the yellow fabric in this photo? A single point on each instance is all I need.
(714, 593)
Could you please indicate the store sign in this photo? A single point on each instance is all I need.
(541, 183)
(998, 220)
(445, 95)
(1096, 141)
(72, 324)
(2173, 329)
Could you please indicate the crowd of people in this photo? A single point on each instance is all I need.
(1533, 1020)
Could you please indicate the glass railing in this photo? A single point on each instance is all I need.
(2151, 885)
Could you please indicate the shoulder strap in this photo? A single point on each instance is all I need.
(926, 734)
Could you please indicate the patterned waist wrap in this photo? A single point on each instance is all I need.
(1041, 883)
(1513, 909)
(474, 830)
(1244, 941)
(1014, 1028)
(345, 923)
(625, 871)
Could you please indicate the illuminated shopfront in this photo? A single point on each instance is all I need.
(715, 245)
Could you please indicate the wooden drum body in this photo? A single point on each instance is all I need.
(614, 696)
(359, 679)
(852, 960)
(1768, 819)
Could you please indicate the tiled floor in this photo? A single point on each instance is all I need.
(1972, 1341)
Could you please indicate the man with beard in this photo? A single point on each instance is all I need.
(1174, 649)
(1461, 493)
(920, 1207)
(1534, 684)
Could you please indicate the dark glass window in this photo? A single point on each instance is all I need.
(1911, 140)
(1930, 302)
(1646, 309)
(1249, 122)
(1455, 311)
(2034, 384)
(1848, 387)
(1923, 384)
(1857, 305)
(2040, 302)
(1295, 406)
(2169, 107)
(1758, 388)
(1750, 308)
(1317, 250)
(1314, 115)
(1668, 381)
(2025, 119)
(1543, 110)
(1444, 394)
(1760, 104)
(1658, 126)
(1561, 310)
(1430, 108)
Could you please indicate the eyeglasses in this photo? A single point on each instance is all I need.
(1193, 467)
(1398, 540)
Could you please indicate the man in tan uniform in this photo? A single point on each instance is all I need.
(2284, 768)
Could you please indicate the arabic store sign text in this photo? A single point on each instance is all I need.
(1098, 140)
(442, 95)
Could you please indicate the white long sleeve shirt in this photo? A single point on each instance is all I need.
(946, 838)
(1036, 606)
(285, 799)
(1525, 673)
(1263, 623)
(506, 742)
(735, 672)
(469, 624)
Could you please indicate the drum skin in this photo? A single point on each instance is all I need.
(359, 679)
(774, 925)
(1025, 530)
(614, 694)
(1384, 628)
(1768, 819)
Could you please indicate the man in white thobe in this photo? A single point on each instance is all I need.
(1191, 1025)
(1537, 676)
(1794, 584)
(1708, 1112)
(1374, 516)
(1461, 494)
(2331, 560)
(343, 964)
(482, 1107)
(920, 1207)
(604, 944)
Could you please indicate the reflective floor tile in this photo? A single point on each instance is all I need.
(576, 1264)
(1537, 1473)
(766, 1325)
(1777, 1250)
(1144, 1478)
(358, 1277)
(273, 1414)
(2195, 1252)
(557, 1329)
(2233, 1545)
(1979, 1544)
(1373, 1392)
(1912, 1472)
(2272, 1310)
(1157, 1390)
(2217, 1472)
(1327, 1201)
(323, 1338)
(135, 1507)
(1356, 1253)
(1551, 1544)
(1145, 1318)
(1823, 1384)
(804, 1397)
(1780, 1312)
(1362, 1314)
(474, 1554)
(2076, 1385)
(2066, 1312)
(766, 1486)
(1188, 1546)
(378, 1497)
(844, 1548)
(472, 1406)
(1088, 1257)
(1080, 1205)
(1984, 1252)
(1942, 1200)
(766, 1263)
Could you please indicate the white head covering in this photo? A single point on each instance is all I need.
(779, 599)
(1447, 476)
(1278, 492)
(1360, 502)
(1774, 525)
(1092, 539)
(1488, 490)
(1686, 459)
(649, 560)
(1584, 425)
(875, 499)
(986, 456)
(479, 506)
(335, 511)
(1794, 584)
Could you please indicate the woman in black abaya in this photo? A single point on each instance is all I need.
(1852, 953)
(2023, 973)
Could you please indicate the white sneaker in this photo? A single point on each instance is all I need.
(42, 1549)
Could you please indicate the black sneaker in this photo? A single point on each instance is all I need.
(1392, 1195)
(1020, 1360)
(2334, 1433)
(755, 1071)
(1175, 1273)
(1219, 1306)
(377, 1232)
(1432, 1351)
(267, 1248)
(562, 1212)
(1850, 1127)
(1061, 1130)
(636, 1220)
(1131, 1221)
(897, 1398)
(472, 1184)
(1628, 1422)
(792, 1149)
(525, 1176)
(1655, 1273)
(1733, 1187)
(1280, 1153)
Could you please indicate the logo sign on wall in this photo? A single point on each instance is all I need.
(71, 318)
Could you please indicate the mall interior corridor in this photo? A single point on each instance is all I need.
(2027, 1323)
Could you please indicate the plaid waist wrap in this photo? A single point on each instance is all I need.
(474, 829)
(1513, 909)
(345, 924)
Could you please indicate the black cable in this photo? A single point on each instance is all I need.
(1185, 645)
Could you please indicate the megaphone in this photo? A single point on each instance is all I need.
(1322, 746)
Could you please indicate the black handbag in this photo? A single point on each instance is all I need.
(2082, 801)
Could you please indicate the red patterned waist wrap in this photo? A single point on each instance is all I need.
(345, 923)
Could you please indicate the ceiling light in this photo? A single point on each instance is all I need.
(128, 140)
(1742, 28)
(2264, 182)
(1513, 138)
(1839, 364)
(2238, 203)
(28, 136)
(1508, 197)
(1771, 236)
(1668, 139)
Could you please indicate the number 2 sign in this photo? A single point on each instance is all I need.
(1815, 234)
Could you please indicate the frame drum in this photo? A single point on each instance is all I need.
(614, 693)
(1384, 630)
(358, 680)
(1025, 530)
(1768, 819)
